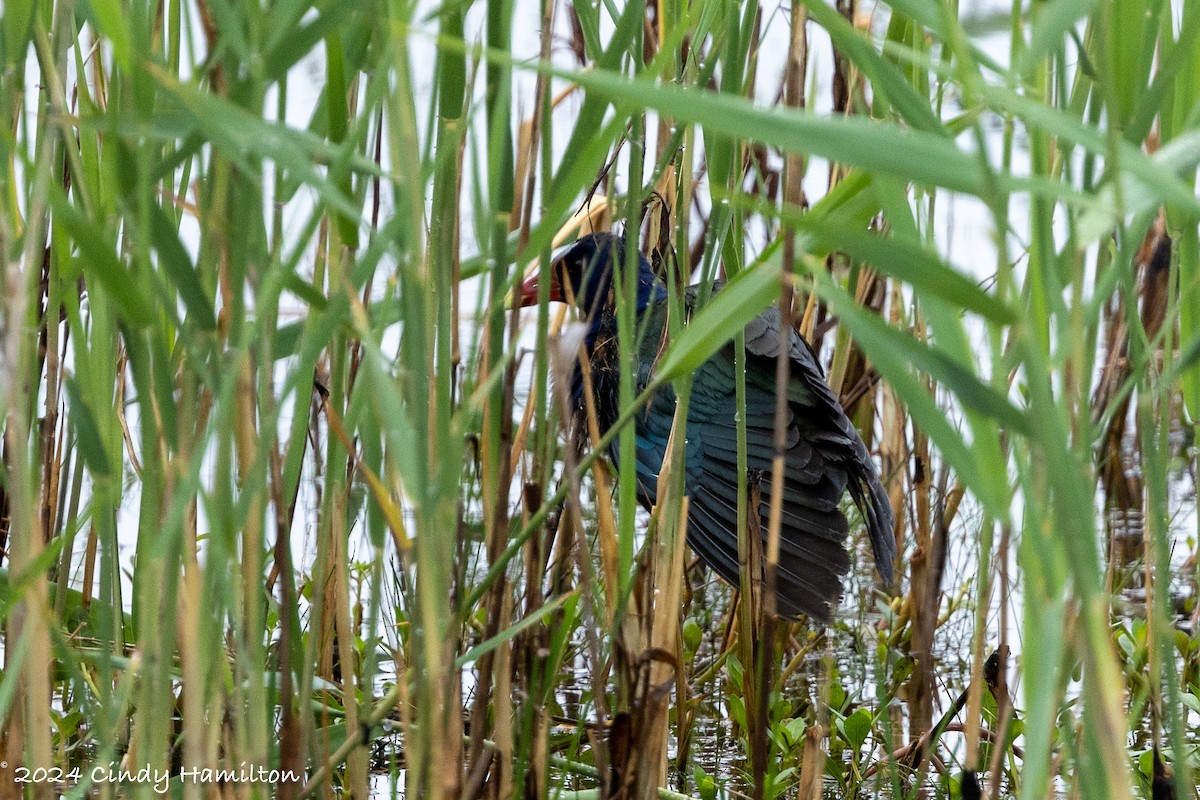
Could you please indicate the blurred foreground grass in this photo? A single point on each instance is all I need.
(268, 495)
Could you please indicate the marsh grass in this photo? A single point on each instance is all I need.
(287, 485)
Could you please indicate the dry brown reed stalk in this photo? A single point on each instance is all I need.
(518, 668)
(494, 671)
(664, 581)
(659, 222)
(812, 768)
(52, 436)
(808, 319)
(521, 435)
(570, 531)
(27, 736)
(894, 447)
(1122, 485)
(495, 676)
(528, 138)
(522, 659)
(979, 671)
(594, 215)
(55, 478)
(502, 724)
(757, 649)
(130, 449)
(793, 195)
(71, 518)
(852, 374)
(606, 524)
(925, 576)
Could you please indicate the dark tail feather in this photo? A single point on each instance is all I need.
(873, 503)
(812, 558)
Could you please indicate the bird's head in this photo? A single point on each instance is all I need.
(583, 275)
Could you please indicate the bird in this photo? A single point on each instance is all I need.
(1162, 782)
(825, 457)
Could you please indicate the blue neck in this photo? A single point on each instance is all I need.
(650, 290)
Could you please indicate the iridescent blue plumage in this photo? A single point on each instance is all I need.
(825, 457)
